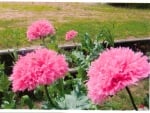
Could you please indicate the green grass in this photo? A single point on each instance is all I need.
(119, 29)
(9, 23)
(16, 36)
(29, 7)
(109, 8)
(90, 18)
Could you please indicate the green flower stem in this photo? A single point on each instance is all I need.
(48, 96)
(74, 42)
(75, 45)
(62, 86)
(131, 98)
(43, 41)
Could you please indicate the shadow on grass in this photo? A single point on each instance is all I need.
(131, 5)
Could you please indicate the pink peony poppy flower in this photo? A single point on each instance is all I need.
(40, 29)
(115, 69)
(41, 67)
(71, 34)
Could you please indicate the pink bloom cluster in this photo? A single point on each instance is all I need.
(115, 69)
(40, 29)
(41, 67)
(71, 34)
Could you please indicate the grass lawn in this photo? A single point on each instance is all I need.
(83, 17)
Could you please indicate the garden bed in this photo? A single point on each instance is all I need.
(6, 56)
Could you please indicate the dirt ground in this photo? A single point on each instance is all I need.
(63, 10)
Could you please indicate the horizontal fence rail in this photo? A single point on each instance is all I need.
(136, 44)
